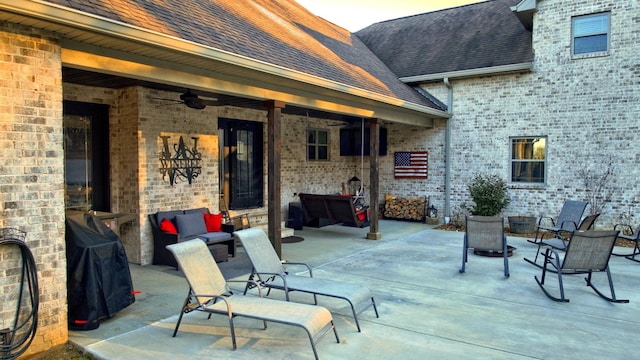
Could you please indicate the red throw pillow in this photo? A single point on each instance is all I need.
(167, 226)
(213, 222)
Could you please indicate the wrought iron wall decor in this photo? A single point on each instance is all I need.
(182, 164)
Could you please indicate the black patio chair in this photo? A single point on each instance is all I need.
(560, 241)
(633, 236)
(567, 220)
(485, 233)
(587, 252)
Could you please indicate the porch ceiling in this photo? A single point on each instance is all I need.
(90, 78)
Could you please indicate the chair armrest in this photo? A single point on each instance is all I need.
(575, 226)
(228, 228)
(631, 236)
(622, 227)
(285, 262)
(250, 281)
(273, 275)
(553, 223)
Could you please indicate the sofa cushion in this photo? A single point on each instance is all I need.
(214, 237)
(170, 215)
(190, 224)
(197, 211)
(167, 226)
(213, 222)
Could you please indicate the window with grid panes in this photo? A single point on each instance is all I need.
(528, 159)
(317, 144)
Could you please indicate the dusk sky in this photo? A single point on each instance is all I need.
(354, 15)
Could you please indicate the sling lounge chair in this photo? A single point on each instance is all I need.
(209, 292)
(567, 221)
(560, 241)
(633, 236)
(270, 272)
(485, 233)
(587, 252)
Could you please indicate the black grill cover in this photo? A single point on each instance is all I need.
(98, 277)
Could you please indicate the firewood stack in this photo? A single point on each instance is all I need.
(405, 209)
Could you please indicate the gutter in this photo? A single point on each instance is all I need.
(521, 67)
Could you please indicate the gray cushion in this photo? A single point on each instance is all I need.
(170, 215)
(214, 237)
(198, 210)
(190, 224)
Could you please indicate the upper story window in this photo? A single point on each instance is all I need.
(528, 159)
(590, 34)
(317, 144)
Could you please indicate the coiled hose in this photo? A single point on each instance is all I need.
(15, 340)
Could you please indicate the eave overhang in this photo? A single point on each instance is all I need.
(103, 45)
(461, 74)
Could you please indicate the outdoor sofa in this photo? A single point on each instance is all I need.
(170, 227)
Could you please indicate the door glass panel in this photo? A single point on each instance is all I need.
(78, 152)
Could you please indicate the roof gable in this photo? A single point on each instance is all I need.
(475, 36)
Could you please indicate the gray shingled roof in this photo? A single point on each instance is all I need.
(473, 36)
(280, 33)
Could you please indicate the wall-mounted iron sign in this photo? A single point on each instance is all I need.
(183, 164)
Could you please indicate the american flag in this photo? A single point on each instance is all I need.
(414, 164)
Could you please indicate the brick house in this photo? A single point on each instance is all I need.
(530, 76)
(561, 74)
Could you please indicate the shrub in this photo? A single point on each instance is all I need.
(489, 193)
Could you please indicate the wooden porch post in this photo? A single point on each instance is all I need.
(374, 151)
(274, 145)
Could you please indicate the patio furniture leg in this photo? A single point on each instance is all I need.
(613, 293)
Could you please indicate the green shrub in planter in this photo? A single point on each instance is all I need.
(489, 193)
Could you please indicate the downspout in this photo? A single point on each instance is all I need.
(447, 151)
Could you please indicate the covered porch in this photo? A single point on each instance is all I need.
(427, 308)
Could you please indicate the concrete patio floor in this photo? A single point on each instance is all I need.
(427, 308)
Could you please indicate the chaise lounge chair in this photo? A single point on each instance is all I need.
(587, 252)
(270, 273)
(209, 292)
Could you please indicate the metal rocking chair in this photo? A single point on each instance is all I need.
(587, 252)
(566, 221)
(560, 241)
(631, 236)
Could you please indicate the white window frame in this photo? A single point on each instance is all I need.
(575, 34)
(513, 159)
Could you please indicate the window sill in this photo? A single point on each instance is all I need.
(590, 55)
(527, 186)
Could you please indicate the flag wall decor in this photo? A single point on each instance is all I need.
(411, 164)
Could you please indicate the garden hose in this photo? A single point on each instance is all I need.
(15, 340)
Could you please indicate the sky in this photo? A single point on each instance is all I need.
(354, 15)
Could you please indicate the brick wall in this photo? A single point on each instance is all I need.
(588, 108)
(31, 175)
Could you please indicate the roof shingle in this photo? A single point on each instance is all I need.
(473, 36)
(281, 33)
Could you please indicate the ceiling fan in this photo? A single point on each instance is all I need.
(192, 101)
